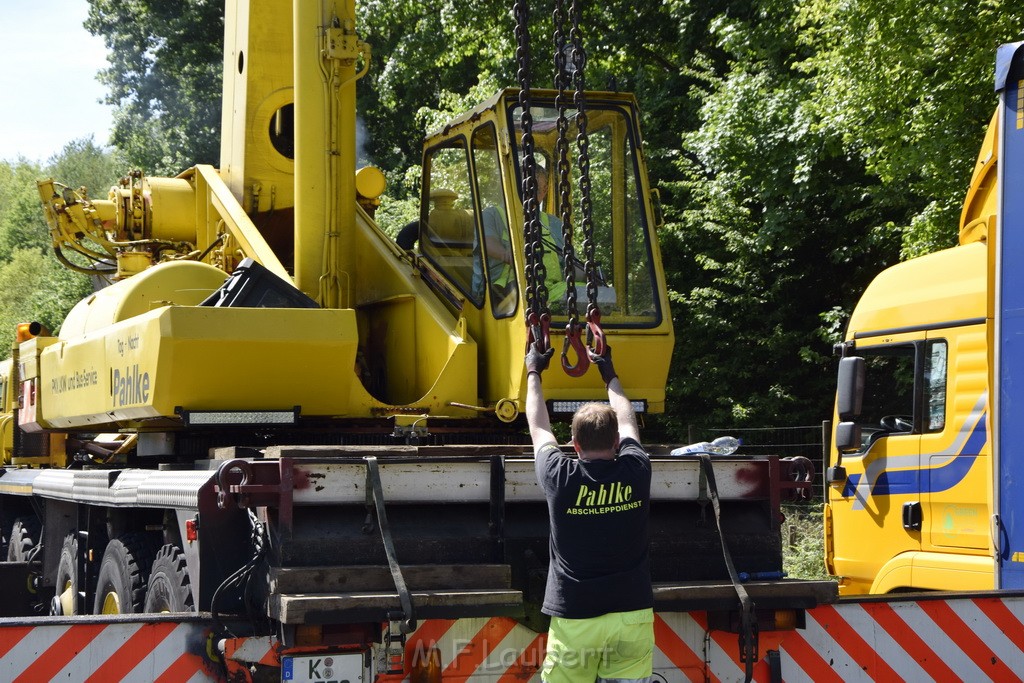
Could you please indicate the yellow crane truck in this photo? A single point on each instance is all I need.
(273, 410)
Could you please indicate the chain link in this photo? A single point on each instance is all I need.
(537, 314)
(562, 83)
(579, 60)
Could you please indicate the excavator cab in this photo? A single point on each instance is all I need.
(472, 246)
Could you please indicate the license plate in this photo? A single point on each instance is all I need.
(334, 668)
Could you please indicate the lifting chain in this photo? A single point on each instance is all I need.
(595, 334)
(538, 317)
(563, 78)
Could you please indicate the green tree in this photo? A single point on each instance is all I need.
(21, 220)
(84, 164)
(22, 225)
(778, 231)
(908, 86)
(165, 79)
(34, 287)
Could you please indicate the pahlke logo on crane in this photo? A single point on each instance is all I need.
(130, 386)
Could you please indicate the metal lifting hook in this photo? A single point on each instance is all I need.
(595, 335)
(574, 338)
(539, 326)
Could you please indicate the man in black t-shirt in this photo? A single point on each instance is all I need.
(598, 590)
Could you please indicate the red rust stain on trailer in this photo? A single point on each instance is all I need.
(753, 478)
(302, 479)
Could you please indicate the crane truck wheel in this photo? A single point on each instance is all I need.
(24, 535)
(169, 587)
(124, 572)
(65, 602)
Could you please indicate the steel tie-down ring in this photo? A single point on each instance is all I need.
(242, 466)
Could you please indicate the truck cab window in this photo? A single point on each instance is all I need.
(935, 385)
(501, 280)
(888, 403)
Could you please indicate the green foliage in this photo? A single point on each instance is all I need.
(779, 229)
(34, 287)
(908, 86)
(16, 180)
(803, 542)
(85, 164)
(164, 77)
(22, 226)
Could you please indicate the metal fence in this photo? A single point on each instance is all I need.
(805, 440)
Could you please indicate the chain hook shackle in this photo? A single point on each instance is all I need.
(595, 334)
(539, 327)
(574, 339)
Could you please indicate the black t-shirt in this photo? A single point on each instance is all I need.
(598, 510)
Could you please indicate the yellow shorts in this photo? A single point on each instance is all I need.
(618, 647)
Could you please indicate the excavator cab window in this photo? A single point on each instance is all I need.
(448, 222)
(501, 283)
(626, 286)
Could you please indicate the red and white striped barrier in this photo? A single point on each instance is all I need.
(899, 639)
(963, 639)
(161, 652)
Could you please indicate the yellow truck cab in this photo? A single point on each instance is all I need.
(909, 490)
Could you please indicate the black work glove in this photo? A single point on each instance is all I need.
(604, 364)
(537, 361)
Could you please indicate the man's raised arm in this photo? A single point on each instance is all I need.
(622, 406)
(536, 411)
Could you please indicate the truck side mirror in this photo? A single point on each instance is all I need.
(850, 388)
(848, 437)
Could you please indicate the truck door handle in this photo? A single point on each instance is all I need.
(912, 516)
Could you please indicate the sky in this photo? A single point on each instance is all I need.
(49, 94)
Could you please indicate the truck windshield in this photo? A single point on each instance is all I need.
(625, 273)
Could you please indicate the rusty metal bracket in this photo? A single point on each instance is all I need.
(258, 483)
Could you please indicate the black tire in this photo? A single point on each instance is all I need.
(169, 587)
(5, 532)
(67, 578)
(124, 572)
(24, 536)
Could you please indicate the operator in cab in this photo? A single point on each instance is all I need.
(499, 250)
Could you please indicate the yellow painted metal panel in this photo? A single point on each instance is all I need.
(959, 515)
(182, 283)
(202, 359)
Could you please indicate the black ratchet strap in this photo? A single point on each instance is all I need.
(748, 622)
(375, 498)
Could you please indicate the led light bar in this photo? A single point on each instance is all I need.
(569, 407)
(212, 418)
